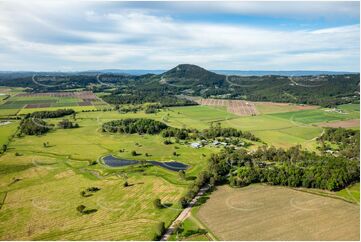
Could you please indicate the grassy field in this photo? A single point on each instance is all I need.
(45, 183)
(260, 212)
(351, 193)
(42, 204)
(6, 131)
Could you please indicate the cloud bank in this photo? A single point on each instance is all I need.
(100, 35)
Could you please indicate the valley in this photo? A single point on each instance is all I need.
(121, 165)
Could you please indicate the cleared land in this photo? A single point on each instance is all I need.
(248, 108)
(343, 124)
(271, 107)
(260, 212)
(239, 107)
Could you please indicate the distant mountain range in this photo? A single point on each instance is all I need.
(222, 72)
(235, 72)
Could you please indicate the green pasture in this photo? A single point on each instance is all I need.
(351, 193)
(315, 116)
(48, 189)
(6, 131)
(43, 184)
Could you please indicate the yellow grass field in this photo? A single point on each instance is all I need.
(261, 212)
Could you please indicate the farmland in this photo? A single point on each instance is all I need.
(23, 103)
(47, 173)
(260, 212)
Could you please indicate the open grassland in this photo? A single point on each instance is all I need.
(40, 186)
(41, 204)
(196, 116)
(6, 131)
(260, 212)
(316, 116)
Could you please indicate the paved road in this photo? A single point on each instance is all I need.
(184, 214)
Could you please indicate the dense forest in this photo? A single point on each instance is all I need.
(293, 167)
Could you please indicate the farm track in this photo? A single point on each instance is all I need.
(184, 214)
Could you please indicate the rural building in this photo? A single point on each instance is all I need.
(196, 145)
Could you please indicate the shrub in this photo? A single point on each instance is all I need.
(80, 208)
(157, 203)
(183, 202)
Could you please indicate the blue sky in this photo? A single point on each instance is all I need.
(85, 35)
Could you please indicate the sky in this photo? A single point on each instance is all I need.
(94, 35)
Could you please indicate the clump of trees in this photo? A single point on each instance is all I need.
(81, 209)
(66, 124)
(134, 125)
(89, 191)
(347, 141)
(29, 126)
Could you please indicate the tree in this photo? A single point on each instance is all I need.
(134, 153)
(125, 184)
(159, 230)
(183, 202)
(5, 147)
(157, 203)
(80, 208)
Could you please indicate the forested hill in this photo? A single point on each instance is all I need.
(192, 75)
(192, 80)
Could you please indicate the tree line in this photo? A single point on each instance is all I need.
(150, 126)
(51, 114)
(215, 131)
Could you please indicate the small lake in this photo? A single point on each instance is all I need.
(113, 161)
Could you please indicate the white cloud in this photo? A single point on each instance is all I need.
(83, 36)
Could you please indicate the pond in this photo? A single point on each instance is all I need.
(113, 161)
